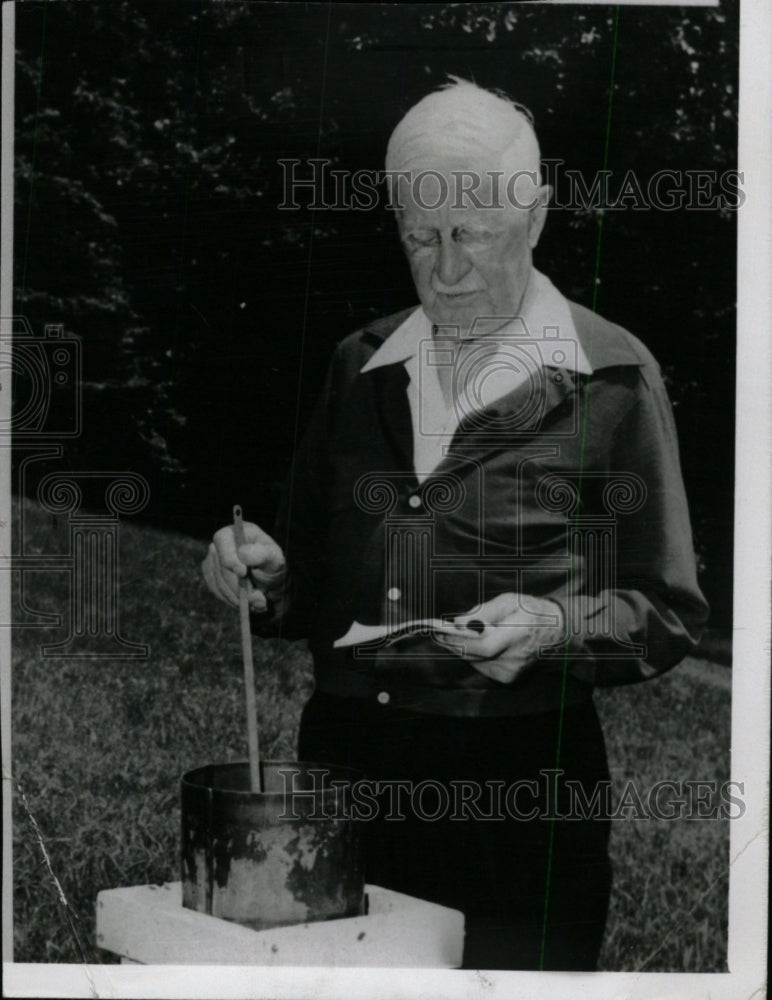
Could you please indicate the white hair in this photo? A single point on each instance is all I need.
(461, 119)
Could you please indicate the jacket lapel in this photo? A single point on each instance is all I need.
(390, 385)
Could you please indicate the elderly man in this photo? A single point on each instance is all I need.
(486, 519)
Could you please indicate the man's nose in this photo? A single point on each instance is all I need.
(452, 265)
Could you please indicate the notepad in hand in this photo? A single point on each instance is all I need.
(359, 634)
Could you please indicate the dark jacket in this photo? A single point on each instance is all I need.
(567, 488)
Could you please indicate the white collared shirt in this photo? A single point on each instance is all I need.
(490, 367)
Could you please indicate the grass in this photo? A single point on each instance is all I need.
(99, 746)
(669, 903)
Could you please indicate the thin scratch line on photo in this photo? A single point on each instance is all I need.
(725, 871)
(68, 910)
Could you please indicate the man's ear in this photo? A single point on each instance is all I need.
(538, 214)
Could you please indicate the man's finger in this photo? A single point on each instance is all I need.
(492, 611)
(259, 552)
(214, 579)
(265, 558)
(470, 646)
(491, 642)
(225, 585)
(503, 671)
(257, 600)
(225, 547)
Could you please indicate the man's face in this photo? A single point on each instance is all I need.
(470, 262)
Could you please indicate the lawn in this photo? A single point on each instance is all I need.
(99, 746)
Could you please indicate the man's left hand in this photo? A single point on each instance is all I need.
(502, 637)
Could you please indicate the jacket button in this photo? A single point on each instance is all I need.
(384, 697)
(415, 500)
(394, 593)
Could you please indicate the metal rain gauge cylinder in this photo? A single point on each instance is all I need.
(286, 855)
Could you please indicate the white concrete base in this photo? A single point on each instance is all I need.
(149, 925)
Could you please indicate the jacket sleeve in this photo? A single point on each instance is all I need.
(301, 526)
(651, 612)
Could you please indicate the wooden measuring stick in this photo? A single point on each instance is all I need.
(249, 667)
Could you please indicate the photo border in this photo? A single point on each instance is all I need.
(751, 679)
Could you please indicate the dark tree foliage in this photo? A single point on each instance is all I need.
(148, 138)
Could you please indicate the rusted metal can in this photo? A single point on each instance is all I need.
(287, 855)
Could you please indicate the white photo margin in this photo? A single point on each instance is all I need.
(749, 848)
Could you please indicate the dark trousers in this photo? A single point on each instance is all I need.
(534, 891)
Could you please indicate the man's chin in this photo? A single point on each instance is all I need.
(459, 315)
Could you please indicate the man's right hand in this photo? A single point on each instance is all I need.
(226, 563)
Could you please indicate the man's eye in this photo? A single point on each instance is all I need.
(422, 238)
(466, 235)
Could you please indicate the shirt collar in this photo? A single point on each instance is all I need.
(544, 312)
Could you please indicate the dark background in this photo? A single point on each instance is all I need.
(147, 186)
